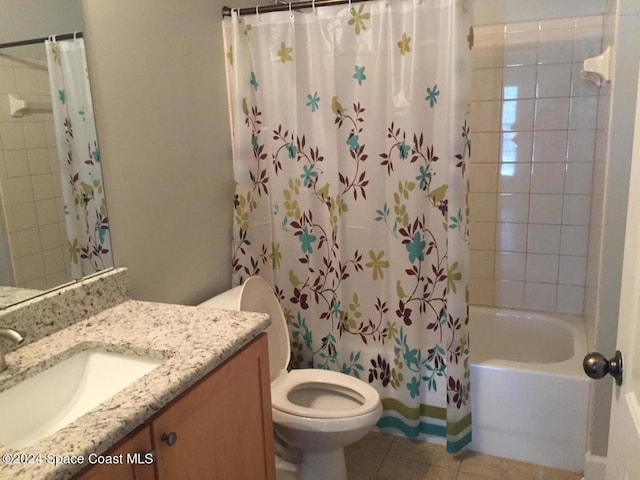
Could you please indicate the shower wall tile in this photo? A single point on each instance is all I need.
(30, 188)
(534, 170)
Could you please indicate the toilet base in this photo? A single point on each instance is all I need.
(327, 464)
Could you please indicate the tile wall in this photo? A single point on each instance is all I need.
(534, 123)
(30, 187)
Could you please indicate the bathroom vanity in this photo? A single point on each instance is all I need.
(221, 427)
(204, 410)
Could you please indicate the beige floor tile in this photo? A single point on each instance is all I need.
(549, 473)
(400, 469)
(420, 451)
(374, 441)
(362, 464)
(499, 468)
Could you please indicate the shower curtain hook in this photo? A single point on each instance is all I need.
(290, 11)
(313, 7)
(258, 13)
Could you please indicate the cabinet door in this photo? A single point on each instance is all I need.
(222, 427)
(132, 467)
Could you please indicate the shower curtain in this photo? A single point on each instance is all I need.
(350, 151)
(85, 206)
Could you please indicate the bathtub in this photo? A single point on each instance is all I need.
(529, 393)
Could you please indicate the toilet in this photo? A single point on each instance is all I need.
(315, 412)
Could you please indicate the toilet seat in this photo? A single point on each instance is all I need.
(335, 395)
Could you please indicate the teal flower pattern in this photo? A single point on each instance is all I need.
(313, 101)
(356, 212)
(359, 75)
(307, 239)
(432, 95)
(254, 81)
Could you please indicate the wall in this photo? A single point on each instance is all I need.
(534, 122)
(158, 81)
(30, 181)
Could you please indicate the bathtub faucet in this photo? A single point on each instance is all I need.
(12, 336)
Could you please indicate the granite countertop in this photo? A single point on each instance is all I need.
(192, 340)
(12, 295)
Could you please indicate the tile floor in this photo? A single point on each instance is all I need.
(386, 457)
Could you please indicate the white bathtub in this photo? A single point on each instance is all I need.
(529, 393)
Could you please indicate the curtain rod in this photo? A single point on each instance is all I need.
(279, 7)
(33, 41)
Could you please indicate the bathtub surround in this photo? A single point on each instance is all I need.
(534, 133)
(351, 194)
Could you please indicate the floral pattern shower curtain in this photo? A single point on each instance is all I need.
(350, 149)
(85, 206)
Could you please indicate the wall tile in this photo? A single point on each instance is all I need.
(540, 296)
(482, 235)
(483, 177)
(509, 294)
(579, 178)
(570, 299)
(555, 45)
(576, 209)
(542, 268)
(516, 146)
(553, 80)
(509, 266)
(485, 147)
(513, 208)
(519, 82)
(514, 177)
(547, 177)
(573, 270)
(540, 146)
(517, 115)
(552, 114)
(511, 237)
(483, 207)
(487, 84)
(545, 208)
(574, 240)
(550, 146)
(544, 239)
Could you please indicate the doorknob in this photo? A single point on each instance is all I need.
(597, 366)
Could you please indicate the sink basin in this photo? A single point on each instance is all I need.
(52, 399)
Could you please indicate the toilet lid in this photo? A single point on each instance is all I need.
(257, 296)
(324, 383)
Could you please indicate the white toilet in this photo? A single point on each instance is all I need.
(316, 411)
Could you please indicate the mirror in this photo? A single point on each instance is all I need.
(45, 202)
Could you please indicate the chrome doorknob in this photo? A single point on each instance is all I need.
(596, 366)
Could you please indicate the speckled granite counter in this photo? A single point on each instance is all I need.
(192, 340)
(12, 295)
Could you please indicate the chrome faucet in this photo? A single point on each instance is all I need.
(12, 336)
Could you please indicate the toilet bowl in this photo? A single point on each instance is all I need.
(316, 411)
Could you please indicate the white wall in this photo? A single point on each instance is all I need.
(158, 80)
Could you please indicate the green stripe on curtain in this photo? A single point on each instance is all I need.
(458, 433)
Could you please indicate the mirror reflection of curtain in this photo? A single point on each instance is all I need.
(85, 206)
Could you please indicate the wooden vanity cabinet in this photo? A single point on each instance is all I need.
(138, 442)
(220, 428)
